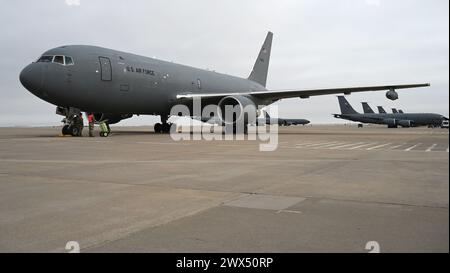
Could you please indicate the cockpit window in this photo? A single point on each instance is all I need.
(45, 59)
(69, 60)
(59, 59)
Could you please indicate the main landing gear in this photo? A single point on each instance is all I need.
(73, 121)
(163, 127)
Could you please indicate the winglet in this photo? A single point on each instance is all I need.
(261, 67)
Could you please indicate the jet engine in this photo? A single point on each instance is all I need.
(110, 118)
(405, 123)
(242, 108)
(392, 95)
(391, 123)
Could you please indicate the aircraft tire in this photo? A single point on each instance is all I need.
(158, 128)
(165, 128)
(65, 130)
(74, 131)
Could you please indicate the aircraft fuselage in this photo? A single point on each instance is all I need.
(110, 81)
(417, 119)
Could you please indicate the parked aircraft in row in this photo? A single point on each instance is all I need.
(391, 120)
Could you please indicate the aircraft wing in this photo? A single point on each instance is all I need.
(282, 94)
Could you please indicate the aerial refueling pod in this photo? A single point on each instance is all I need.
(110, 118)
(392, 94)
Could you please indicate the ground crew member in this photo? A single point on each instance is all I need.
(90, 118)
(104, 129)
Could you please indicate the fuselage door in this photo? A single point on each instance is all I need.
(106, 69)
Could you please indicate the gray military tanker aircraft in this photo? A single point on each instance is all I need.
(265, 120)
(391, 120)
(117, 85)
(284, 121)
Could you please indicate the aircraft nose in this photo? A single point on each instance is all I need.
(31, 78)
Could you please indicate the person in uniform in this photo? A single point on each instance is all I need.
(90, 118)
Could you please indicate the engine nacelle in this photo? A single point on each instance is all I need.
(405, 123)
(234, 109)
(391, 122)
(392, 95)
(110, 118)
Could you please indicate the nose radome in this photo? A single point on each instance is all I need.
(31, 77)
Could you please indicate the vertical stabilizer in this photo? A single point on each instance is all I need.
(261, 67)
(367, 109)
(346, 108)
(381, 110)
(394, 111)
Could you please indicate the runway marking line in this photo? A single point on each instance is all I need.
(346, 145)
(396, 146)
(289, 211)
(361, 146)
(379, 146)
(317, 144)
(431, 148)
(302, 144)
(329, 145)
(412, 147)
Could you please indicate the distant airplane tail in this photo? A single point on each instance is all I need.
(367, 109)
(381, 110)
(261, 67)
(394, 111)
(401, 111)
(346, 108)
(266, 115)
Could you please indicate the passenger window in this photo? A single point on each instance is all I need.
(59, 59)
(69, 60)
(45, 59)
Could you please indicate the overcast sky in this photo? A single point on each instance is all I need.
(317, 43)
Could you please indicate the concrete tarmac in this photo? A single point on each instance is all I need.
(324, 189)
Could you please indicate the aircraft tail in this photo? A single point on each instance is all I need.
(367, 109)
(261, 67)
(266, 115)
(346, 108)
(401, 111)
(381, 110)
(394, 111)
